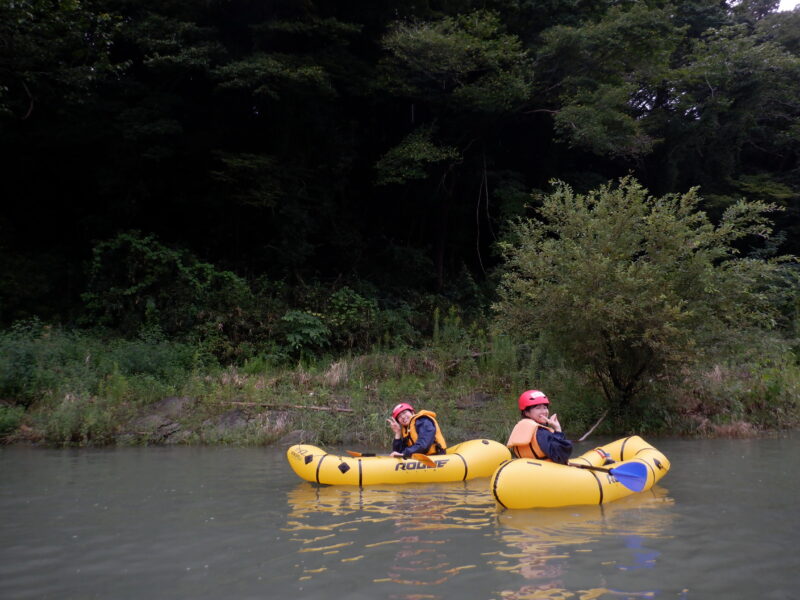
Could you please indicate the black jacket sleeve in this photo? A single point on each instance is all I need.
(557, 447)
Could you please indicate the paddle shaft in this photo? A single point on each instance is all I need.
(591, 468)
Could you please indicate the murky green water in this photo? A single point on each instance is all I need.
(237, 523)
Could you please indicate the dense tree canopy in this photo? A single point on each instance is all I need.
(381, 145)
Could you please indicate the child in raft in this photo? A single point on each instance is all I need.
(538, 435)
(415, 432)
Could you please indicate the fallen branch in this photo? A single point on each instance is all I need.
(588, 433)
(291, 406)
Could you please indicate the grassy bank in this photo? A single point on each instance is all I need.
(67, 388)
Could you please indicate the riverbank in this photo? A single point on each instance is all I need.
(346, 401)
(71, 388)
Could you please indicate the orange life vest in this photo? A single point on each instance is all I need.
(410, 434)
(522, 440)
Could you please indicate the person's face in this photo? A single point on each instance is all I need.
(538, 413)
(404, 418)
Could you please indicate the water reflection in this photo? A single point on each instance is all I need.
(415, 536)
(445, 505)
(552, 544)
(406, 525)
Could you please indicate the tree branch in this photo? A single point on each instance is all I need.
(600, 420)
(30, 99)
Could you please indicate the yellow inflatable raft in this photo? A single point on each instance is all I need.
(530, 483)
(467, 460)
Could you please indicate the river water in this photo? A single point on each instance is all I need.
(212, 523)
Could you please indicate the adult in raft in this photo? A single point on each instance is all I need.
(538, 435)
(415, 432)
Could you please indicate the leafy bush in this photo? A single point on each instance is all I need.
(351, 319)
(395, 326)
(166, 361)
(629, 287)
(40, 362)
(36, 359)
(139, 287)
(84, 421)
(305, 333)
(449, 332)
(762, 392)
(10, 418)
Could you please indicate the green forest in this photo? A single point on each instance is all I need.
(297, 214)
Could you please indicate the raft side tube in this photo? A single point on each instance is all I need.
(467, 460)
(528, 483)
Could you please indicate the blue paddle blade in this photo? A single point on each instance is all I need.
(632, 475)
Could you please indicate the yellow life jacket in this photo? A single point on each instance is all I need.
(410, 434)
(522, 440)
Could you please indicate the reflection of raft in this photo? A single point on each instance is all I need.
(644, 515)
(530, 483)
(467, 460)
(447, 505)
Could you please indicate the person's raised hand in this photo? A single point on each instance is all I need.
(395, 427)
(552, 420)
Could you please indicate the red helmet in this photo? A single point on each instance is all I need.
(400, 408)
(532, 398)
